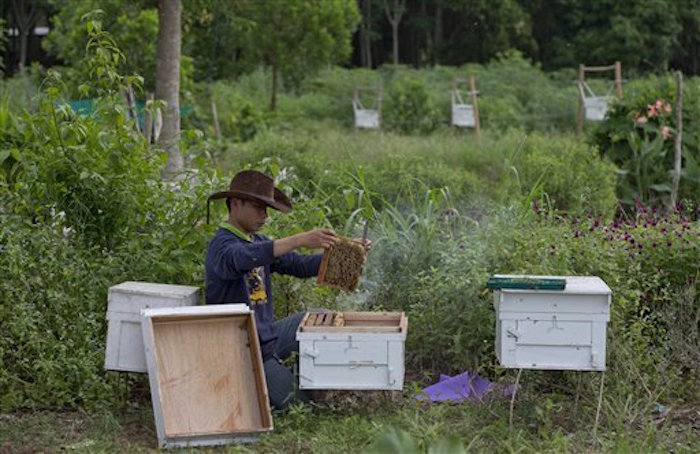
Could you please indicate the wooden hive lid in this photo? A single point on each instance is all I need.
(205, 370)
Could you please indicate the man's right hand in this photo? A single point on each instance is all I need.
(316, 238)
(313, 239)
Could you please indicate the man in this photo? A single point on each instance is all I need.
(240, 261)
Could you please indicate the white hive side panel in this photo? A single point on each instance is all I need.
(396, 365)
(125, 349)
(552, 302)
(351, 364)
(463, 115)
(367, 119)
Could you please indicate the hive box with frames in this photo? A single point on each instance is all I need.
(205, 370)
(352, 350)
(341, 266)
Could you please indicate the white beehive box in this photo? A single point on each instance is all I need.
(463, 115)
(553, 329)
(596, 107)
(365, 353)
(124, 350)
(206, 375)
(366, 119)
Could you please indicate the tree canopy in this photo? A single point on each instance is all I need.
(226, 38)
(293, 36)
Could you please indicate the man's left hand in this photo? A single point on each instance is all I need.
(367, 243)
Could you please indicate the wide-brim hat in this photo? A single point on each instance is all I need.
(254, 185)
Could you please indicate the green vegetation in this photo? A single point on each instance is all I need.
(83, 207)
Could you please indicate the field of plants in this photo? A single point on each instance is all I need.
(83, 206)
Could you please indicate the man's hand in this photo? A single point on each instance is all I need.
(316, 238)
(367, 243)
(313, 239)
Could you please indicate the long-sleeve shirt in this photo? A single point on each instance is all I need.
(238, 270)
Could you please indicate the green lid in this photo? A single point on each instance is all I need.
(529, 283)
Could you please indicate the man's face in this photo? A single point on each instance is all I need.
(249, 214)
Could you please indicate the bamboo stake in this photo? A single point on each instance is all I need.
(579, 114)
(148, 118)
(677, 161)
(472, 88)
(217, 131)
(618, 78)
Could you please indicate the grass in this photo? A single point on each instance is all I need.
(544, 420)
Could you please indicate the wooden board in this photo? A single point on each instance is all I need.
(354, 322)
(207, 381)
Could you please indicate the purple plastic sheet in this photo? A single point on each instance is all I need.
(465, 386)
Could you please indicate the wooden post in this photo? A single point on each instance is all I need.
(579, 115)
(678, 142)
(354, 106)
(217, 131)
(472, 88)
(131, 107)
(148, 118)
(452, 103)
(618, 78)
(379, 104)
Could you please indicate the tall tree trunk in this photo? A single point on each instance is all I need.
(275, 82)
(394, 15)
(363, 34)
(168, 80)
(439, 30)
(395, 39)
(24, 22)
(427, 54)
(368, 34)
(23, 38)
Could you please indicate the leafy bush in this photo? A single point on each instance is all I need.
(563, 174)
(3, 42)
(409, 108)
(69, 165)
(83, 208)
(638, 136)
(435, 268)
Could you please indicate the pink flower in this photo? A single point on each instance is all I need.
(667, 107)
(659, 104)
(651, 111)
(641, 119)
(666, 132)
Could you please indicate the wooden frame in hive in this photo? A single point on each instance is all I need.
(342, 263)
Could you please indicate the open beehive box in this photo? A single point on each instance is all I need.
(205, 370)
(342, 263)
(352, 350)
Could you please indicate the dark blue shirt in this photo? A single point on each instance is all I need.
(238, 271)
